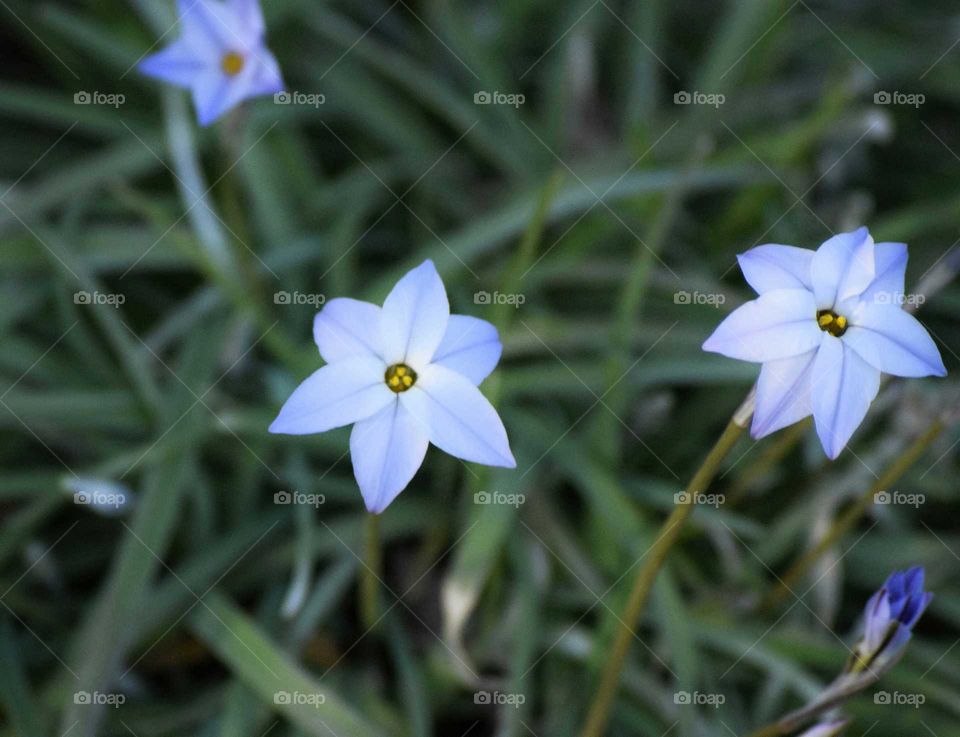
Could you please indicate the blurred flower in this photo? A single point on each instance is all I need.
(830, 728)
(826, 324)
(406, 374)
(890, 616)
(220, 56)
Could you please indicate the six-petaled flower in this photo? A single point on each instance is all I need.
(404, 375)
(220, 56)
(826, 324)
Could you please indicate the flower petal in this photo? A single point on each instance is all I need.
(265, 78)
(461, 421)
(893, 341)
(783, 393)
(470, 347)
(878, 621)
(842, 267)
(207, 24)
(777, 324)
(336, 395)
(891, 268)
(177, 64)
(844, 385)
(772, 267)
(414, 317)
(386, 450)
(248, 14)
(214, 93)
(347, 328)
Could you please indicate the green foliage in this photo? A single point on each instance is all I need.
(599, 201)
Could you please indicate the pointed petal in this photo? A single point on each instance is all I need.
(893, 341)
(414, 317)
(214, 94)
(265, 78)
(915, 605)
(334, 396)
(461, 421)
(783, 393)
(386, 450)
(893, 650)
(777, 324)
(205, 23)
(177, 64)
(877, 623)
(248, 14)
(773, 266)
(470, 347)
(891, 268)
(844, 385)
(347, 328)
(843, 267)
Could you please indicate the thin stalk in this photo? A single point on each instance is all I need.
(371, 572)
(849, 518)
(599, 713)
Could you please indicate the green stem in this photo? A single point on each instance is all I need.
(849, 518)
(599, 713)
(771, 730)
(771, 456)
(370, 578)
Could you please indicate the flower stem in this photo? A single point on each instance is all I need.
(599, 713)
(849, 518)
(370, 579)
(771, 730)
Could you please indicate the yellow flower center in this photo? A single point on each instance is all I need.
(232, 63)
(400, 377)
(830, 322)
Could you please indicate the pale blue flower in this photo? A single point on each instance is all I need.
(825, 326)
(404, 375)
(891, 614)
(220, 56)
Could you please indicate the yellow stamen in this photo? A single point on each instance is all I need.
(832, 323)
(400, 377)
(232, 63)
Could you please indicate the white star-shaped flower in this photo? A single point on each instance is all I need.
(220, 56)
(405, 375)
(826, 324)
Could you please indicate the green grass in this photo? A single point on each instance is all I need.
(598, 200)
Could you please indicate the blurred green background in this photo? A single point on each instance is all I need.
(159, 282)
